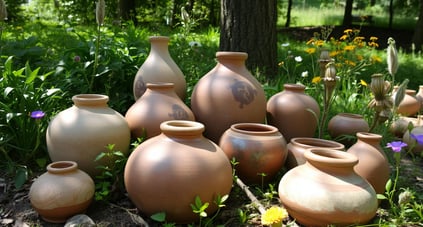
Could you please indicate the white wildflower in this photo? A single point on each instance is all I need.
(298, 59)
(194, 44)
(304, 74)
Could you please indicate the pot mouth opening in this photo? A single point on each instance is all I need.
(255, 128)
(330, 157)
(62, 166)
(182, 127)
(90, 99)
(310, 142)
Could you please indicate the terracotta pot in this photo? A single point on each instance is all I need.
(417, 148)
(293, 112)
(299, 145)
(409, 106)
(343, 126)
(402, 124)
(159, 67)
(419, 97)
(259, 149)
(158, 104)
(373, 164)
(62, 192)
(166, 173)
(326, 190)
(81, 132)
(226, 95)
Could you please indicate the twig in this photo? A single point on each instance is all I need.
(250, 195)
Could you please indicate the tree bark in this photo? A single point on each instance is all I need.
(288, 14)
(418, 31)
(348, 13)
(250, 26)
(126, 8)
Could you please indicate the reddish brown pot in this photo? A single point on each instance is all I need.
(410, 105)
(417, 148)
(62, 192)
(228, 94)
(299, 145)
(158, 104)
(326, 190)
(259, 149)
(166, 173)
(159, 67)
(373, 164)
(343, 126)
(293, 112)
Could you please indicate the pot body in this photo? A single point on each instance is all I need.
(167, 172)
(62, 192)
(299, 145)
(158, 104)
(326, 190)
(259, 149)
(419, 97)
(228, 94)
(417, 148)
(81, 132)
(410, 105)
(159, 67)
(293, 112)
(373, 164)
(347, 125)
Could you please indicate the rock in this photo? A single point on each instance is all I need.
(80, 220)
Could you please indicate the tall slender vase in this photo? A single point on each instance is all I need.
(326, 190)
(228, 94)
(373, 164)
(293, 112)
(158, 104)
(259, 149)
(83, 131)
(167, 172)
(159, 67)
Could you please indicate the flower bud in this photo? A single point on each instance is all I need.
(100, 12)
(392, 56)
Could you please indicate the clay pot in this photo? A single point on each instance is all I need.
(228, 94)
(167, 172)
(299, 145)
(259, 149)
(293, 112)
(326, 190)
(62, 192)
(416, 147)
(159, 67)
(159, 103)
(373, 164)
(402, 124)
(409, 106)
(343, 126)
(81, 132)
(419, 97)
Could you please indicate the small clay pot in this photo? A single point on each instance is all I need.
(343, 127)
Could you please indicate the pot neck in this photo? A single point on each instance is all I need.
(62, 167)
(182, 129)
(90, 100)
(329, 160)
(254, 129)
(235, 59)
(161, 87)
(370, 138)
(159, 44)
(297, 88)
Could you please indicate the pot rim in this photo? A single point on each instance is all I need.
(254, 128)
(90, 99)
(330, 157)
(310, 142)
(61, 167)
(182, 127)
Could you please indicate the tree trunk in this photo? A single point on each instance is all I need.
(127, 10)
(391, 12)
(418, 31)
(348, 13)
(250, 26)
(288, 14)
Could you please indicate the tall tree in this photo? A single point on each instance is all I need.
(418, 31)
(288, 14)
(250, 26)
(348, 13)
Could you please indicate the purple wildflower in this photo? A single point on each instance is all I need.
(37, 114)
(418, 138)
(77, 58)
(396, 146)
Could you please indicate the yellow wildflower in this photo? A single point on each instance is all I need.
(280, 64)
(362, 82)
(350, 63)
(376, 58)
(349, 48)
(319, 43)
(359, 57)
(348, 31)
(373, 38)
(274, 215)
(310, 41)
(333, 53)
(316, 79)
(311, 50)
(344, 37)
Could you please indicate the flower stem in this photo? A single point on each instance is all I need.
(250, 195)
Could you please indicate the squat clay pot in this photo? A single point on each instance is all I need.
(373, 164)
(159, 67)
(299, 145)
(293, 112)
(259, 149)
(326, 190)
(158, 104)
(83, 131)
(343, 126)
(62, 192)
(410, 105)
(167, 172)
(228, 94)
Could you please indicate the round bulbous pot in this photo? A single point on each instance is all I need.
(402, 124)
(326, 190)
(293, 112)
(159, 67)
(410, 105)
(344, 126)
(61, 192)
(299, 145)
(228, 94)
(167, 172)
(373, 164)
(158, 104)
(83, 131)
(259, 150)
(416, 146)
